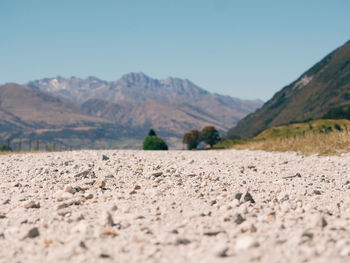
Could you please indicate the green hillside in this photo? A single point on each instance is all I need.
(324, 87)
(313, 137)
(303, 129)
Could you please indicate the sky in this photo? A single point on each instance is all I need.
(244, 48)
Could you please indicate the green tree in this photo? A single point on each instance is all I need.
(152, 133)
(153, 142)
(191, 139)
(210, 135)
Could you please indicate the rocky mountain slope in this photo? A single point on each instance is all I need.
(92, 113)
(323, 87)
(40, 108)
(138, 102)
(27, 115)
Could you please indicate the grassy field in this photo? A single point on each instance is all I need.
(315, 137)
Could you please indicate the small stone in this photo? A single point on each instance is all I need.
(221, 251)
(253, 228)
(271, 216)
(104, 255)
(110, 176)
(62, 195)
(114, 208)
(82, 245)
(158, 180)
(238, 196)
(182, 241)
(64, 212)
(284, 198)
(107, 219)
(323, 223)
(109, 232)
(248, 198)
(88, 196)
(238, 219)
(105, 157)
(32, 204)
(83, 174)
(317, 192)
(246, 242)
(78, 217)
(174, 231)
(33, 233)
(307, 235)
(69, 189)
(100, 184)
(157, 174)
(213, 202)
(69, 203)
(137, 187)
(319, 221)
(212, 232)
(61, 206)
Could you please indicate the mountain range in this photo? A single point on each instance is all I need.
(323, 87)
(93, 113)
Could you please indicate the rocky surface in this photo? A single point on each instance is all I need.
(176, 206)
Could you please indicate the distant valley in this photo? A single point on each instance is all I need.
(93, 113)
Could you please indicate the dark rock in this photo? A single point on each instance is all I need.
(182, 241)
(248, 198)
(157, 174)
(212, 232)
(238, 219)
(33, 233)
(238, 196)
(105, 157)
(317, 192)
(32, 204)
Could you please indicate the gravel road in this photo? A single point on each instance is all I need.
(174, 206)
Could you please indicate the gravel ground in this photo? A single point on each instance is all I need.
(174, 206)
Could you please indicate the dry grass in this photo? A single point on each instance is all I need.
(311, 143)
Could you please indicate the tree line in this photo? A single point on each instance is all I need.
(208, 135)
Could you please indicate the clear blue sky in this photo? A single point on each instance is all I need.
(244, 48)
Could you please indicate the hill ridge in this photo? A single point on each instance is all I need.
(324, 86)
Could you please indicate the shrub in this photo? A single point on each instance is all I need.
(153, 142)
